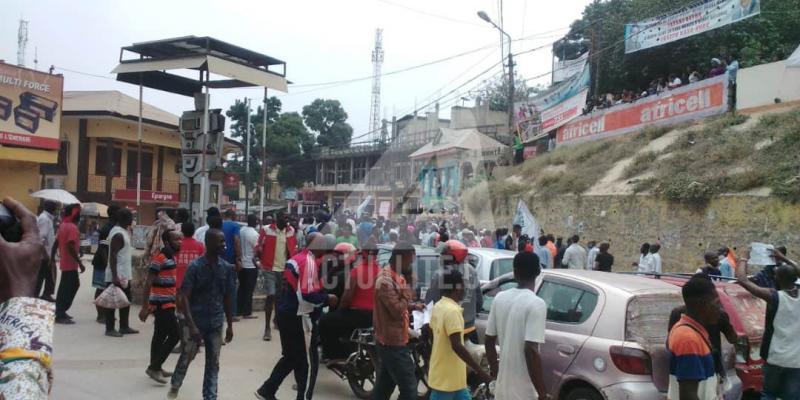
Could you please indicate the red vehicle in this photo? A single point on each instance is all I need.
(747, 314)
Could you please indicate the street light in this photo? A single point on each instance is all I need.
(485, 17)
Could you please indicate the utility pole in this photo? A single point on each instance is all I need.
(247, 158)
(263, 158)
(510, 91)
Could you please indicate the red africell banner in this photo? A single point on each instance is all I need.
(147, 196)
(698, 100)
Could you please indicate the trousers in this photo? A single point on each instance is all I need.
(67, 289)
(124, 314)
(294, 358)
(166, 335)
(212, 338)
(395, 369)
(45, 280)
(336, 328)
(247, 284)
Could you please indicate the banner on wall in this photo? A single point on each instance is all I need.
(698, 100)
(687, 22)
(563, 70)
(30, 107)
(554, 108)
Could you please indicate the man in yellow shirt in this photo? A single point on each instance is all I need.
(449, 358)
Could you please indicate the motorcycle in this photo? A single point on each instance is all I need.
(360, 368)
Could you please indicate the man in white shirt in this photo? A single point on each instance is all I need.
(517, 324)
(575, 256)
(248, 276)
(47, 233)
(200, 233)
(651, 263)
(592, 255)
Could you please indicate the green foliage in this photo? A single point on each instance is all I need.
(683, 188)
(495, 92)
(329, 120)
(770, 36)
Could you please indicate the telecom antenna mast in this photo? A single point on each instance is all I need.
(375, 109)
(22, 42)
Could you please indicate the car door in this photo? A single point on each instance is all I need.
(569, 323)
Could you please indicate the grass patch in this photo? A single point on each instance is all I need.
(640, 164)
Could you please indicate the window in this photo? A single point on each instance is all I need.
(567, 304)
(359, 170)
(343, 171)
(473, 260)
(60, 167)
(102, 164)
(147, 170)
(329, 168)
(489, 296)
(501, 267)
(213, 194)
(182, 193)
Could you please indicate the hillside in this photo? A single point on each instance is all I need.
(726, 180)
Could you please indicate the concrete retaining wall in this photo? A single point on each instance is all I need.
(685, 233)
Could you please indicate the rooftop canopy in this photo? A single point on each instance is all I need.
(243, 67)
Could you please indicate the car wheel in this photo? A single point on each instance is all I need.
(583, 393)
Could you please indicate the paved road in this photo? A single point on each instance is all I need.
(89, 365)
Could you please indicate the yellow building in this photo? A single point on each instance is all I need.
(97, 160)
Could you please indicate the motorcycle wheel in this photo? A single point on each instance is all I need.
(362, 378)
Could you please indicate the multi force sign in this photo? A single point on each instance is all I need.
(688, 22)
(699, 100)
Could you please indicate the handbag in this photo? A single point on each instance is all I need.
(113, 297)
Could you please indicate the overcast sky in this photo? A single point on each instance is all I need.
(321, 41)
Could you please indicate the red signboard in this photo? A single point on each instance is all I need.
(231, 182)
(147, 196)
(698, 100)
(529, 152)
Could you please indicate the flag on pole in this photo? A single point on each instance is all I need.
(362, 208)
(530, 226)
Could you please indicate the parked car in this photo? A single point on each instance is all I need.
(426, 263)
(747, 314)
(605, 335)
(490, 263)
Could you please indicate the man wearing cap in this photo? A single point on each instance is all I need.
(454, 255)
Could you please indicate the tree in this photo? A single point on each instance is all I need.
(287, 140)
(770, 36)
(495, 93)
(329, 120)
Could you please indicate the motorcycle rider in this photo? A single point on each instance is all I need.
(355, 308)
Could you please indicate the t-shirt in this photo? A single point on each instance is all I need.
(248, 239)
(575, 257)
(209, 286)
(68, 232)
(604, 262)
(347, 239)
(231, 229)
(779, 346)
(162, 289)
(448, 373)
(517, 316)
(366, 272)
(690, 359)
(191, 250)
(364, 231)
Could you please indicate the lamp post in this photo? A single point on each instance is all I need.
(485, 17)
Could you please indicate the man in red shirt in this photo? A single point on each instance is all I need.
(68, 241)
(277, 244)
(190, 250)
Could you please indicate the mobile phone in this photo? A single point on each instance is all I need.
(10, 228)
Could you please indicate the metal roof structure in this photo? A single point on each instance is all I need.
(243, 67)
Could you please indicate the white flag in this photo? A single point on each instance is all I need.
(363, 207)
(530, 226)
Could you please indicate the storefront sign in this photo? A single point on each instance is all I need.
(30, 107)
(385, 209)
(147, 196)
(529, 152)
(688, 22)
(699, 100)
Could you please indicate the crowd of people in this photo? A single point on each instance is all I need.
(323, 279)
(692, 74)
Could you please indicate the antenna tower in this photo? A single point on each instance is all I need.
(375, 109)
(22, 42)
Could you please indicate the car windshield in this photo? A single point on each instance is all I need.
(489, 295)
(502, 266)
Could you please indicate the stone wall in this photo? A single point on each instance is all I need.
(684, 232)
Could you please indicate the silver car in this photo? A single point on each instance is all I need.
(605, 335)
(490, 263)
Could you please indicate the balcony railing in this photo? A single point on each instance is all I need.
(97, 184)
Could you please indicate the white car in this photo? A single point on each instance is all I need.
(491, 263)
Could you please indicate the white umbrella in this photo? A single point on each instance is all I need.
(59, 195)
